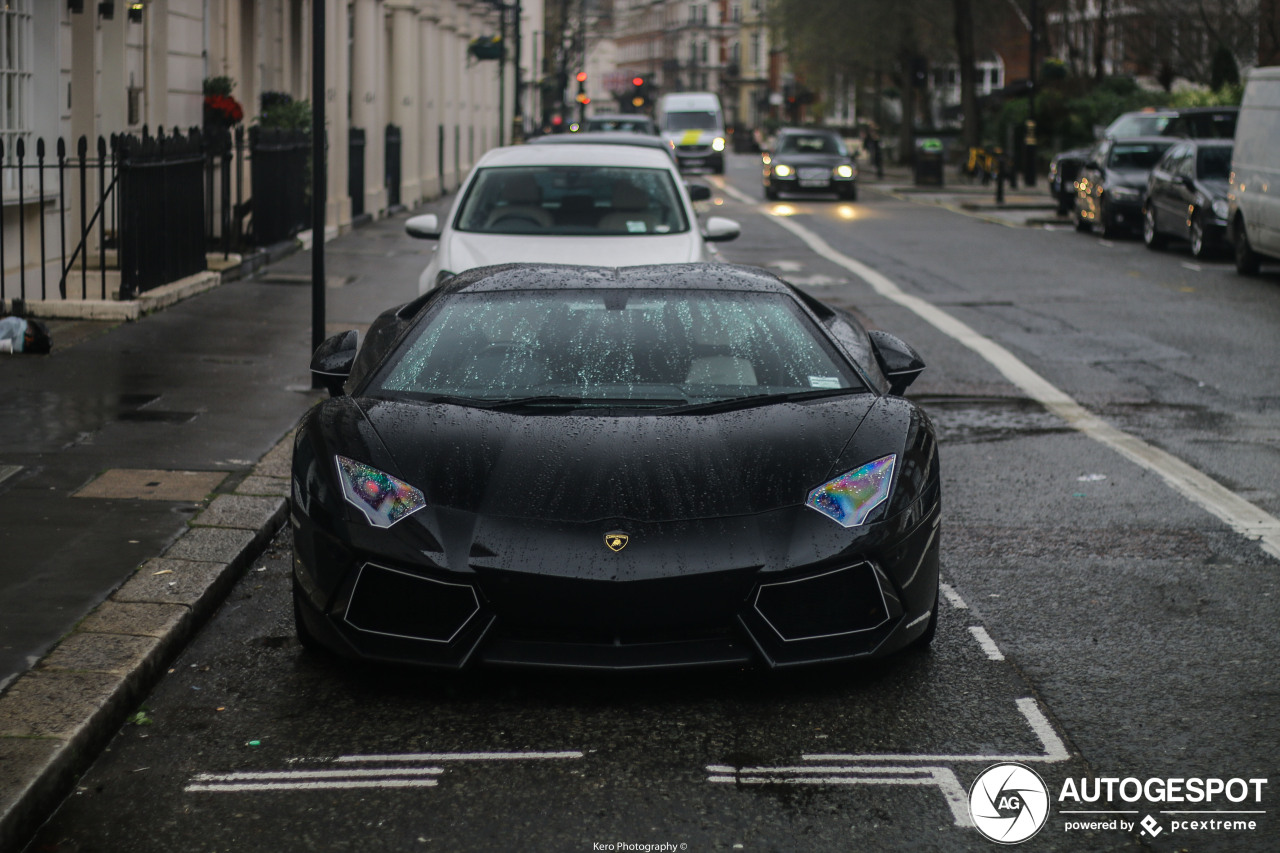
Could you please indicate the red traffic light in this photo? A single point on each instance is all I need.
(582, 76)
(637, 81)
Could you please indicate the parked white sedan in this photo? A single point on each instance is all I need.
(587, 204)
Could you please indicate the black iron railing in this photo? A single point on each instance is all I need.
(392, 177)
(280, 167)
(355, 169)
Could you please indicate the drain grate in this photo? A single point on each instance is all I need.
(152, 485)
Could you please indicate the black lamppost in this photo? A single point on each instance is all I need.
(1031, 102)
(319, 191)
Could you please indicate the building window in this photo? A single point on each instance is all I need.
(15, 75)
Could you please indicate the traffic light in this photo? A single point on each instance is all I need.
(582, 77)
(639, 92)
(582, 98)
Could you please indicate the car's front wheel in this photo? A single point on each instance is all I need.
(930, 631)
(1083, 225)
(305, 637)
(850, 194)
(1247, 260)
(770, 193)
(1150, 234)
(1199, 244)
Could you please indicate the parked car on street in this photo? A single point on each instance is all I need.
(1113, 182)
(808, 160)
(1254, 200)
(614, 203)
(1187, 196)
(616, 469)
(620, 123)
(1187, 123)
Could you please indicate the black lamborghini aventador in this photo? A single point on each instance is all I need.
(637, 468)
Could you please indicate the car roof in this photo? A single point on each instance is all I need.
(603, 149)
(824, 130)
(693, 276)
(619, 117)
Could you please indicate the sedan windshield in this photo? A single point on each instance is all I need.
(1137, 155)
(628, 348)
(579, 200)
(815, 143)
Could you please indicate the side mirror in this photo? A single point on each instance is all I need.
(721, 230)
(899, 361)
(1188, 182)
(333, 359)
(698, 192)
(424, 227)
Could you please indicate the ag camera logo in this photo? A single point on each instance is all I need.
(1009, 803)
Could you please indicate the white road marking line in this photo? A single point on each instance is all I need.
(1054, 749)
(1245, 518)
(460, 756)
(953, 597)
(249, 775)
(988, 645)
(1191, 266)
(943, 778)
(312, 786)
(7, 471)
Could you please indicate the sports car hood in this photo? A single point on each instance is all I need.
(577, 467)
(468, 251)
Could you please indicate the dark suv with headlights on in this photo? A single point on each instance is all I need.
(805, 160)
(1113, 183)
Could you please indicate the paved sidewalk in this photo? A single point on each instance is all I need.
(143, 465)
(1021, 207)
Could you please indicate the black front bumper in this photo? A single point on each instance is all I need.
(854, 606)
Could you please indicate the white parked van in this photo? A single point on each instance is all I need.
(694, 124)
(1254, 201)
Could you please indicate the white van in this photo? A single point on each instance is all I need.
(1253, 224)
(694, 124)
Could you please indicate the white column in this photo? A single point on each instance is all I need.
(406, 55)
(366, 109)
(336, 86)
(433, 94)
(451, 88)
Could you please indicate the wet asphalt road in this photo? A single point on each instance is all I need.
(1137, 632)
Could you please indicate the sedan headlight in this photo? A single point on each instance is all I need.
(782, 170)
(1124, 193)
(844, 171)
(718, 143)
(849, 498)
(1220, 208)
(382, 499)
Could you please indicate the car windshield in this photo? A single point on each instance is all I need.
(584, 200)
(815, 143)
(645, 348)
(1136, 155)
(699, 120)
(1141, 124)
(1213, 162)
(618, 124)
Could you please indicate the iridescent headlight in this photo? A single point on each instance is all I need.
(782, 170)
(383, 499)
(849, 498)
(718, 143)
(844, 170)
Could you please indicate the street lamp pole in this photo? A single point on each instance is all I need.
(1031, 101)
(517, 109)
(319, 192)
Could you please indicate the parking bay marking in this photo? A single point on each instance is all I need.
(1248, 520)
(358, 777)
(901, 769)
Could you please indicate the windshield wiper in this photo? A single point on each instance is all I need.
(760, 399)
